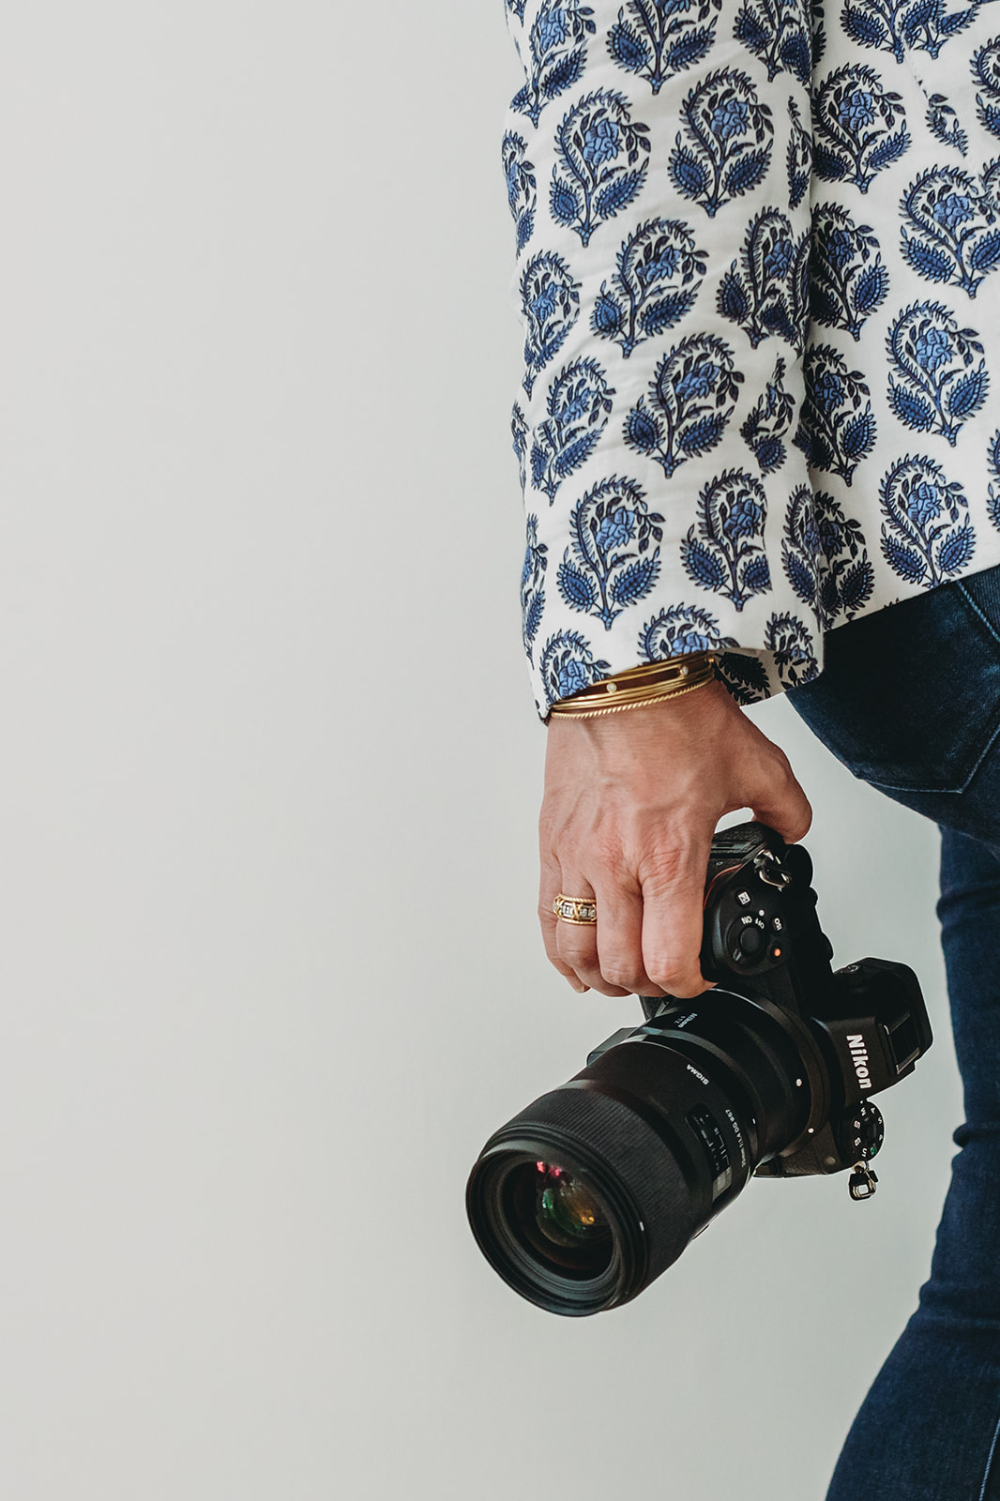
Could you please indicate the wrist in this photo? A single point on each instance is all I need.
(699, 713)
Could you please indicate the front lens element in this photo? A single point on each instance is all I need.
(557, 1219)
(566, 1212)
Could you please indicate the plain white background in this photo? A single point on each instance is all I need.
(269, 960)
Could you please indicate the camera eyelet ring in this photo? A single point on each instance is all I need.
(770, 869)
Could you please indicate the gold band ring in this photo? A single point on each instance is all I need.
(581, 910)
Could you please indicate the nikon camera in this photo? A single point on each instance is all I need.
(591, 1192)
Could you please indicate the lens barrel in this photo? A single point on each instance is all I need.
(595, 1188)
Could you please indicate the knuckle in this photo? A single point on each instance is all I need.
(579, 955)
(623, 974)
(605, 851)
(548, 818)
(671, 966)
(550, 846)
(559, 963)
(660, 874)
(788, 776)
(689, 990)
(779, 759)
(553, 957)
(664, 975)
(678, 983)
(799, 828)
(605, 987)
(671, 864)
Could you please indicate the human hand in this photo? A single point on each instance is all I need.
(630, 805)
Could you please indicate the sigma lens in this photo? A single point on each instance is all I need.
(591, 1192)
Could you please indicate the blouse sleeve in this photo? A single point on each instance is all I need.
(658, 163)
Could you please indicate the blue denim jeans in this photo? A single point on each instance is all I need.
(909, 700)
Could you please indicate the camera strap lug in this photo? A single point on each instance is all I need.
(862, 1183)
(770, 869)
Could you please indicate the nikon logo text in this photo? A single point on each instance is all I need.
(859, 1057)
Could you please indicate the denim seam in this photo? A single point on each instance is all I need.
(989, 1462)
(974, 607)
(942, 791)
(954, 1321)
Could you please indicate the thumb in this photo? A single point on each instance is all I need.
(776, 798)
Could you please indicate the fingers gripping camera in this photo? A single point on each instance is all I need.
(586, 1196)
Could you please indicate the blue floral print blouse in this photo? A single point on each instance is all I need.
(755, 243)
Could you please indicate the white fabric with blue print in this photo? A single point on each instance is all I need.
(755, 245)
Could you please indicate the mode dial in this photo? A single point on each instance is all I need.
(861, 1132)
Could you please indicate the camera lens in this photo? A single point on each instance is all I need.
(548, 1223)
(591, 1192)
(581, 1199)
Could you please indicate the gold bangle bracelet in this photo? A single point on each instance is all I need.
(650, 682)
(670, 670)
(636, 695)
(635, 703)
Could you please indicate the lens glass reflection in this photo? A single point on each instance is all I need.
(559, 1218)
(566, 1212)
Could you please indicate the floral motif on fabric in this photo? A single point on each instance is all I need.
(610, 563)
(691, 398)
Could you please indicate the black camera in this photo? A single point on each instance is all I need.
(596, 1188)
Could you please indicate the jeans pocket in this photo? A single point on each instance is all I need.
(909, 696)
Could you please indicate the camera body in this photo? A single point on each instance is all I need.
(585, 1196)
(858, 1030)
